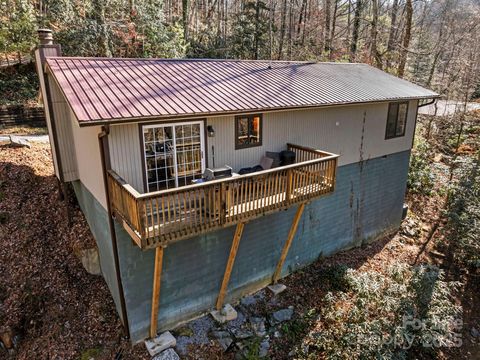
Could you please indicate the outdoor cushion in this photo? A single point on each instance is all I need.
(266, 163)
(275, 156)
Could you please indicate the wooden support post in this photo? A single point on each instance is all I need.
(231, 260)
(157, 277)
(288, 192)
(286, 247)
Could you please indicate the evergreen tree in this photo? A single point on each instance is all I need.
(18, 32)
(250, 32)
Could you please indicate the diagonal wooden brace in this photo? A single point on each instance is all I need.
(231, 261)
(286, 247)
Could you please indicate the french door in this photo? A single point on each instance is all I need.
(173, 154)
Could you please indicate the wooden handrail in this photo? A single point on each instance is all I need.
(309, 149)
(169, 215)
(232, 179)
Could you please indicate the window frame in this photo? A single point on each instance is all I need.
(250, 117)
(398, 103)
(156, 124)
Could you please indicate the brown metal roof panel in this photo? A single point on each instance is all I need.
(115, 89)
(80, 98)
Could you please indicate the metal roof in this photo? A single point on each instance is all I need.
(108, 89)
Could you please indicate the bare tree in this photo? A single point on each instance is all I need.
(406, 37)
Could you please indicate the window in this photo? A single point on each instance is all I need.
(396, 120)
(248, 131)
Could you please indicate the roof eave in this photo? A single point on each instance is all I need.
(86, 123)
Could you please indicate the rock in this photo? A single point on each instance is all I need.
(236, 323)
(474, 332)
(168, 354)
(160, 343)
(184, 331)
(277, 334)
(17, 141)
(282, 315)
(248, 300)
(409, 231)
(225, 342)
(241, 334)
(201, 334)
(258, 326)
(220, 334)
(91, 261)
(6, 338)
(264, 347)
(227, 313)
(277, 288)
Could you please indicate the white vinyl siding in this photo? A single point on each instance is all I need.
(338, 129)
(356, 132)
(126, 154)
(63, 118)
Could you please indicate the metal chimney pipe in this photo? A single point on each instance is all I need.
(45, 36)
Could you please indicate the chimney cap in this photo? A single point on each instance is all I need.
(45, 36)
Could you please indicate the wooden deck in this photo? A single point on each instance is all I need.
(162, 217)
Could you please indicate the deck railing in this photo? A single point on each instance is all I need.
(162, 217)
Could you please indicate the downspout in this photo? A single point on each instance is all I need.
(416, 117)
(105, 158)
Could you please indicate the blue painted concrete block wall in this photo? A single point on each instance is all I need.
(97, 219)
(367, 202)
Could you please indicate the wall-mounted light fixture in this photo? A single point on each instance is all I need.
(210, 131)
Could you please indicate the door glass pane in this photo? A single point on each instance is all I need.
(172, 160)
(159, 157)
(189, 154)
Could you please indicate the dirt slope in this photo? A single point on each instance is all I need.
(49, 305)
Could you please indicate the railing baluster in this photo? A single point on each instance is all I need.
(178, 213)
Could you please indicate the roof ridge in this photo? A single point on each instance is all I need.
(179, 59)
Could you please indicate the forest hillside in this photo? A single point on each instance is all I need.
(434, 43)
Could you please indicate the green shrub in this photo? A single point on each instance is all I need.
(336, 277)
(421, 178)
(18, 85)
(464, 215)
(386, 315)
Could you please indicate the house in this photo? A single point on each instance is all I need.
(204, 180)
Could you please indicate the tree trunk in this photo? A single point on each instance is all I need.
(185, 6)
(406, 38)
(257, 35)
(98, 10)
(374, 54)
(355, 30)
(290, 27)
(301, 17)
(326, 31)
(332, 33)
(392, 33)
(282, 29)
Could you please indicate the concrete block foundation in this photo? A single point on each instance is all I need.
(366, 203)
